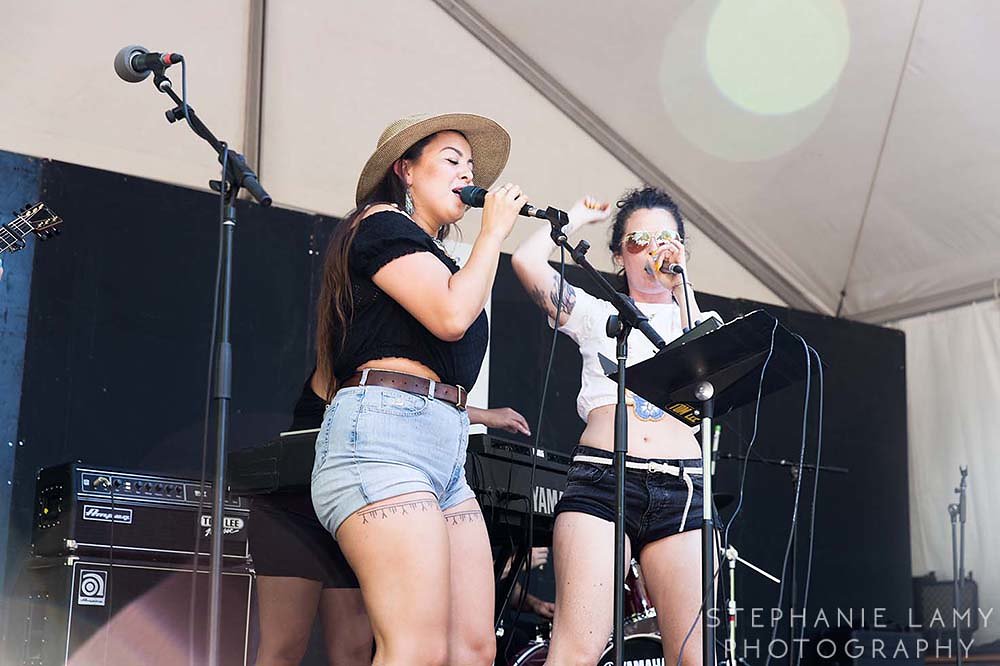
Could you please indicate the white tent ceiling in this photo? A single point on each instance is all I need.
(825, 145)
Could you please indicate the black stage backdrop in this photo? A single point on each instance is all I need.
(117, 352)
(116, 360)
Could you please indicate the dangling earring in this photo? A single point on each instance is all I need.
(408, 203)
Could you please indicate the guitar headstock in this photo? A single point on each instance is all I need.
(42, 221)
(36, 218)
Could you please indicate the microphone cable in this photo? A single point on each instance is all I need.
(812, 511)
(795, 505)
(534, 452)
(753, 438)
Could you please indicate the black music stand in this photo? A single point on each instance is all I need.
(713, 373)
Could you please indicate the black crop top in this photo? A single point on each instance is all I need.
(383, 328)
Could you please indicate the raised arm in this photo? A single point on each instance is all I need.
(531, 260)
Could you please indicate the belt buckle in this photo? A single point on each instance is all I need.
(463, 397)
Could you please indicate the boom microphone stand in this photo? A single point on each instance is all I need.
(619, 327)
(237, 174)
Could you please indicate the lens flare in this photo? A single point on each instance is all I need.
(777, 56)
(749, 80)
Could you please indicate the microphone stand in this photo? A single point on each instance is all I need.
(957, 513)
(619, 327)
(732, 556)
(793, 470)
(237, 174)
(705, 393)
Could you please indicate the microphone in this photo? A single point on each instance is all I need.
(134, 63)
(476, 197)
(658, 265)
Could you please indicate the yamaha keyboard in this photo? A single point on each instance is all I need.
(499, 471)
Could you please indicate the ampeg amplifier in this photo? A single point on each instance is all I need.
(82, 510)
(82, 611)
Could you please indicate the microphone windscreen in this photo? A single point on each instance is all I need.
(473, 196)
(123, 64)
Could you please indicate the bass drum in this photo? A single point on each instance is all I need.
(640, 650)
(533, 655)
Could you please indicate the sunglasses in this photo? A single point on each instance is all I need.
(637, 241)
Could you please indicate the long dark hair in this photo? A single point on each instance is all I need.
(335, 307)
(640, 199)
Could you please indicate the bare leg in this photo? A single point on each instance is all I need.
(399, 551)
(584, 558)
(671, 568)
(471, 638)
(347, 633)
(287, 609)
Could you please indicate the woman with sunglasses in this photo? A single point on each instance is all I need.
(663, 483)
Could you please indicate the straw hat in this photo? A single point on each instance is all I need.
(490, 146)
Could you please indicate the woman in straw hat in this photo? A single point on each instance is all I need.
(402, 335)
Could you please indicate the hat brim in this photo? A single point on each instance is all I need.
(489, 141)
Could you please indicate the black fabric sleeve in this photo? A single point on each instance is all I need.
(310, 408)
(385, 236)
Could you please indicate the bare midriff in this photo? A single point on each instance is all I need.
(663, 438)
(397, 364)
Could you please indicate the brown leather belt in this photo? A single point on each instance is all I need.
(454, 395)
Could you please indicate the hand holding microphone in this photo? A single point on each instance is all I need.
(501, 206)
(666, 263)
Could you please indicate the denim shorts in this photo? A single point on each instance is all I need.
(657, 504)
(376, 443)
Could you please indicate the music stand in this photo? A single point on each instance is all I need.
(713, 373)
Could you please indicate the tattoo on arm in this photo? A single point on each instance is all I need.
(549, 302)
(568, 296)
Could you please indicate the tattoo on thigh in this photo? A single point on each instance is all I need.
(464, 517)
(399, 509)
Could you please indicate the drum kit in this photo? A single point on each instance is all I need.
(642, 637)
(642, 634)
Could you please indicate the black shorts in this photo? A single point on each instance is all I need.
(286, 539)
(655, 502)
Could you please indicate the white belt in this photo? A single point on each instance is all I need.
(654, 466)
